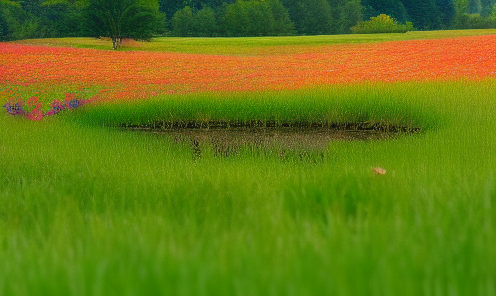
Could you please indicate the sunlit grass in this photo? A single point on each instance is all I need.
(252, 45)
(327, 104)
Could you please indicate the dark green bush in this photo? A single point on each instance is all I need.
(4, 29)
(239, 19)
(475, 21)
(381, 24)
(15, 23)
(183, 22)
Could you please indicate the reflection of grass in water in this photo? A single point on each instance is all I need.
(229, 141)
(85, 209)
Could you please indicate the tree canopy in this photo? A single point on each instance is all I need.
(117, 19)
(393, 8)
(143, 19)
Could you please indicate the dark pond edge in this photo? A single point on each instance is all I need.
(305, 140)
(303, 125)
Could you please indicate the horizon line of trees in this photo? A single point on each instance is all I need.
(23, 19)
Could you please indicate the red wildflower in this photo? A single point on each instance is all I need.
(140, 75)
(35, 114)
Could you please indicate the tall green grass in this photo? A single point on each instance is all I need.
(374, 102)
(90, 210)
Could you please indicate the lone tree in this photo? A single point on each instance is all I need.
(117, 19)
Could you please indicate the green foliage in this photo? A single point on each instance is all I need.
(346, 16)
(483, 7)
(474, 21)
(393, 8)
(381, 24)
(282, 23)
(4, 29)
(461, 6)
(447, 12)
(324, 17)
(256, 18)
(205, 23)
(249, 18)
(464, 19)
(209, 18)
(60, 18)
(243, 18)
(16, 23)
(182, 22)
(311, 17)
(27, 30)
(487, 7)
(424, 14)
(117, 19)
(474, 6)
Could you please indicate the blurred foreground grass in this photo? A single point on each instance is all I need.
(88, 210)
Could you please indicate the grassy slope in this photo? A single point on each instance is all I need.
(87, 210)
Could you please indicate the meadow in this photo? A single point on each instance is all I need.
(87, 208)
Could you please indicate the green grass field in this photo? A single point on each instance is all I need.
(253, 45)
(86, 209)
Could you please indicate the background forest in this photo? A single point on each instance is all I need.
(24, 19)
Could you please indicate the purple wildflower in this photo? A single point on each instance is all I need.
(14, 108)
(73, 103)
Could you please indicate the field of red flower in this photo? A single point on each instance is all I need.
(139, 75)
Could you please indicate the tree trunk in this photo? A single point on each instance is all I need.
(116, 42)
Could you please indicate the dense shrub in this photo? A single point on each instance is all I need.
(243, 18)
(16, 23)
(205, 23)
(59, 19)
(23, 19)
(393, 8)
(249, 18)
(347, 15)
(202, 23)
(257, 18)
(182, 22)
(4, 29)
(474, 21)
(381, 24)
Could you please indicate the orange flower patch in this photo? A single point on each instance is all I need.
(144, 74)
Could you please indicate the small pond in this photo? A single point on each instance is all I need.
(227, 138)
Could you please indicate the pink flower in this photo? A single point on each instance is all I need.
(36, 114)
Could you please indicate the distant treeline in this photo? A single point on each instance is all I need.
(21, 19)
